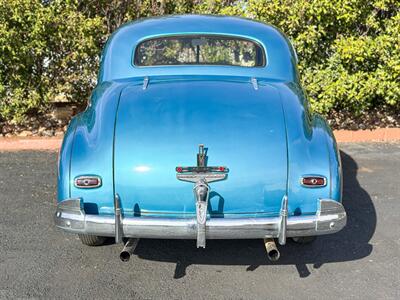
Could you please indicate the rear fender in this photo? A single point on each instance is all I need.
(92, 149)
(312, 150)
(64, 159)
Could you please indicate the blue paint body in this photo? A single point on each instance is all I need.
(133, 138)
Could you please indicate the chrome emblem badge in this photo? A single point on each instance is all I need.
(201, 176)
(202, 171)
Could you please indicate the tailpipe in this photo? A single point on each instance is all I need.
(272, 251)
(128, 250)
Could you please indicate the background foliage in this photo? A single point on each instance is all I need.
(349, 50)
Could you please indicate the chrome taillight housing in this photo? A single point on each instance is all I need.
(87, 182)
(313, 181)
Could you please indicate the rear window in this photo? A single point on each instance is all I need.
(199, 50)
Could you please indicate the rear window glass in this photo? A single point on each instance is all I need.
(199, 50)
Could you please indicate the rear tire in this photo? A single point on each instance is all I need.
(91, 240)
(304, 239)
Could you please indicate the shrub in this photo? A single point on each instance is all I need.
(46, 49)
(349, 50)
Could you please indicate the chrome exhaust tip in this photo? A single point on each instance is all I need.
(273, 253)
(128, 250)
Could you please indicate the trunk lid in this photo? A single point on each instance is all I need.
(160, 128)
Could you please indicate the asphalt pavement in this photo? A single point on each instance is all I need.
(362, 261)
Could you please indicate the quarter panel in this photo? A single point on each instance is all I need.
(64, 160)
(336, 188)
(92, 152)
(308, 151)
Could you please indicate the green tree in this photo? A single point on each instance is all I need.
(46, 49)
(349, 50)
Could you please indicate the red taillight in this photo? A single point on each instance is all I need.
(87, 182)
(313, 181)
(201, 169)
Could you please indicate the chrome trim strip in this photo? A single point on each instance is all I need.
(145, 82)
(254, 83)
(330, 218)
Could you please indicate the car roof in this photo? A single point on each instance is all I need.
(117, 57)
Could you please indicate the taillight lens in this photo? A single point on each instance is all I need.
(201, 169)
(87, 182)
(313, 181)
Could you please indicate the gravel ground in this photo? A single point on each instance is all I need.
(361, 261)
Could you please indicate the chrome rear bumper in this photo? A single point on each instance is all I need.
(330, 218)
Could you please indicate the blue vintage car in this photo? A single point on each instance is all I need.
(198, 128)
